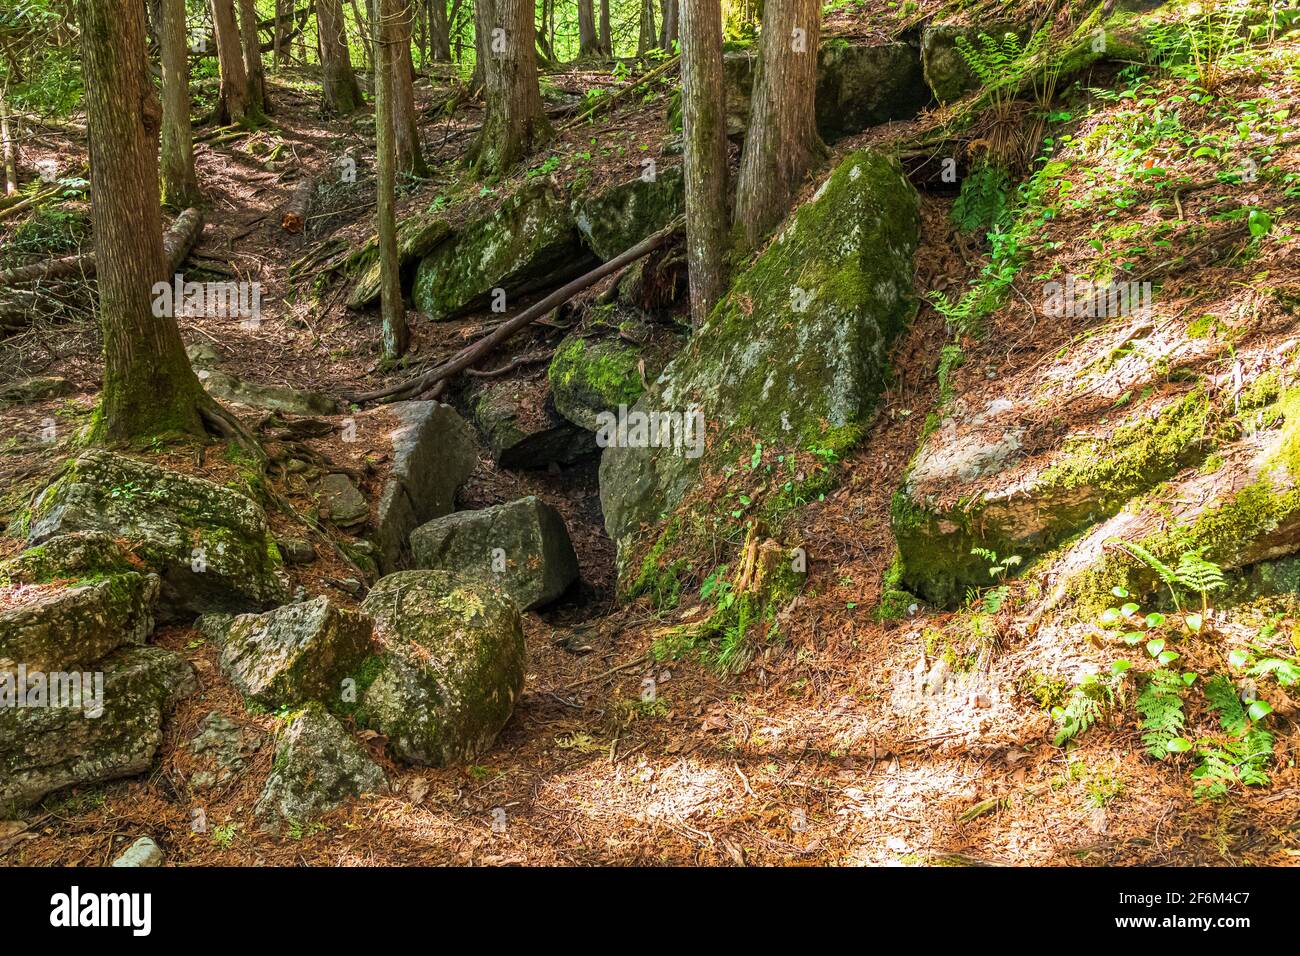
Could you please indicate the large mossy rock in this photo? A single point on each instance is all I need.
(295, 653)
(276, 398)
(616, 219)
(797, 353)
(592, 376)
(210, 545)
(43, 749)
(982, 478)
(433, 452)
(863, 85)
(529, 242)
(318, 766)
(59, 627)
(523, 547)
(1240, 510)
(523, 429)
(946, 71)
(451, 668)
(417, 236)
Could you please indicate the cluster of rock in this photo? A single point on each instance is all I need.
(432, 660)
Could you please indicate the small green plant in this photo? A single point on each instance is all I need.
(1088, 702)
(223, 836)
(996, 596)
(1193, 573)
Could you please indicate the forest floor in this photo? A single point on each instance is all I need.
(812, 755)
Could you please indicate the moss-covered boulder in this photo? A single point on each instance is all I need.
(1238, 510)
(417, 236)
(76, 555)
(295, 653)
(617, 218)
(797, 353)
(590, 376)
(522, 547)
(318, 766)
(433, 452)
(111, 729)
(451, 668)
(528, 243)
(971, 485)
(946, 71)
(523, 429)
(860, 85)
(210, 545)
(55, 627)
(276, 398)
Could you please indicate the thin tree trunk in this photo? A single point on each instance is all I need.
(647, 37)
(606, 37)
(387, 51)
(514, 123)
(149, 388)
(10, 153)
(668, 33)
(365, 26)
(439, 32)
(588, 42)
(406, 138)
(283, 14)
(232, 98)
(180, 186)
(342, 94)
(704, 124)
(253, 71)
(782, 144)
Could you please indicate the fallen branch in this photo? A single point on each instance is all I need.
(520, 362)
(34, 200)
(295, 211)
(177, 243)
(472, 353)
(607, 102)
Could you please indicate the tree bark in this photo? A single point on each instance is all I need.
(280, 34)
(439, 32)
(254, 74)
(180, 186)
(647, 36)
(149, 388)
(704, 124)
(406, 137)
(10, 152)
(389, 31)
(588, 41)
(232, 99)
(339, 83)
(668, 33)
(606, 37)
(782, 144)
(514, 123)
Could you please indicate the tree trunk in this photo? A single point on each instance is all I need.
(704, 124)
(588, 42)
(388, 45)
(439, 32)
(514, 123)
(365, 26)
(606, 37)
(10, 152)
(253, 72)
(339, 83)
(668, 34)
(232, 100)
(283, 15)
(180, 186)
(647, 36)
(406, 138)
(149, 388)
(782, 144)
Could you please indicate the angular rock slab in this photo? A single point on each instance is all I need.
(433, 453)
(616, 219)
(796, 354)
(43, 749)
(524, 432)
(210, 545)
(590, 377)
(296, 653)
(68, 626)
(863, 85)
(451, 669)
(318, 766)
(523, 547)
(527, 243)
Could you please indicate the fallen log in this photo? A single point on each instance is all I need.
(472, 353)
(177, 242)
(294, 217)
(607, 102)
